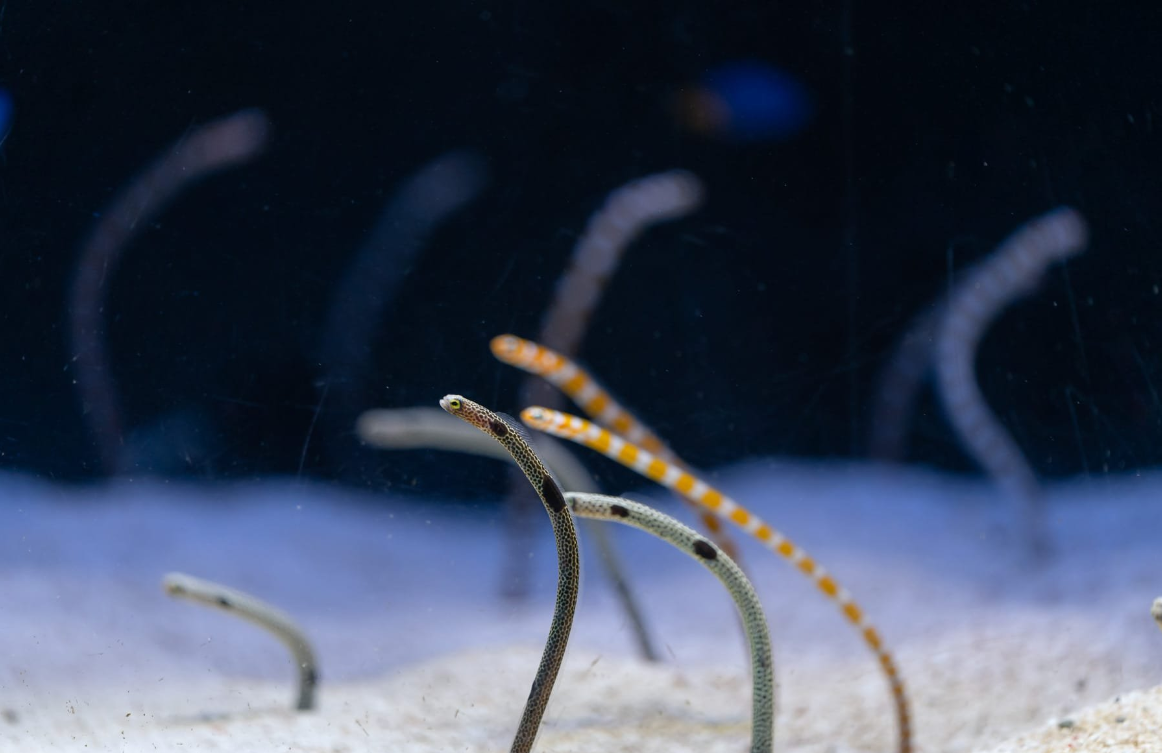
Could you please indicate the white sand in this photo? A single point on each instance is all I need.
(418, 653)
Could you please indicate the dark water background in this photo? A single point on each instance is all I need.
(749, 328)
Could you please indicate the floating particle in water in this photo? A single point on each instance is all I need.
(746, 101)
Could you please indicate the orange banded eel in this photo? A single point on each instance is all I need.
(581, 388)
(594, 437)
(592, 398)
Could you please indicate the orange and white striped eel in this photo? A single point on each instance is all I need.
(591, 397)
(581, 388)
(630, 455)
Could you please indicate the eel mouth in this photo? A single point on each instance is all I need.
(464, 409)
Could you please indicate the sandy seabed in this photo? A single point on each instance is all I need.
(419, 652)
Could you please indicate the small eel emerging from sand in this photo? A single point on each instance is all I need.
(415, 428)
(1009, 273)
(716, 561)
(260, 613)
(580, 387)
(511, 437)
(594, 437)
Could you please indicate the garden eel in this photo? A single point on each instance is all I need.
(1156, 611)
(715, 560)
(200, 152)
(511, 437)
(371, 283)
(628, 212)
(631, 456)
(581, 388)
(595, 400)
(260, 613)
(1010, 272)
(419, 427)
(413, 428)
(898, 386)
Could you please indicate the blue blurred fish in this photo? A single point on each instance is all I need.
(746, 101)
(6, 108)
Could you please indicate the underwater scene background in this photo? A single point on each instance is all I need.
(755, 325)
(874, 289)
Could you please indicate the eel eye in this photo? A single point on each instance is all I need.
(455, 403)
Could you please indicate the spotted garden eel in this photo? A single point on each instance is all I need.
(419, 428)
(511, 437)
(714, 559)
(416, 428)
(627, 512)
(590, 435)
(580, 387)
(260, 613)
